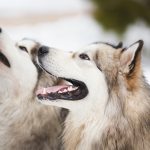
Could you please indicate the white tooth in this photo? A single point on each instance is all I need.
(60, 92)
(44, 91)
(70, 88)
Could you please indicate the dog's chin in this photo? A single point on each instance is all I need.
(66, 89)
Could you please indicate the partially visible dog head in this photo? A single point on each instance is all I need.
(92, 72)
(31, 47)
(17, 72)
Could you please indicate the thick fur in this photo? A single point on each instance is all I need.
(115, 115)
(24, 123)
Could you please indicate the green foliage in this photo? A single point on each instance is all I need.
(118, 14)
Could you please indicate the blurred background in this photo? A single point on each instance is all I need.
(72, 24)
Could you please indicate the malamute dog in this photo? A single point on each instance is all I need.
(107, 95)
(24, 124)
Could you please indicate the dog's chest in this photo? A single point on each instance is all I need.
(82, 136)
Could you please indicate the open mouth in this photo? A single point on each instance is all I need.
(71, 89)
(4, 60)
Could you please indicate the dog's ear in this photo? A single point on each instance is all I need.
(120, 45)
(131, 57)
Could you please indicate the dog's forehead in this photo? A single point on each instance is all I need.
(101, 47)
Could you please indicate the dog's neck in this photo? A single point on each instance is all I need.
(88, 128)
(84, 126)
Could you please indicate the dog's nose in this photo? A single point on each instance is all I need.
(43, 50)
(0, 30)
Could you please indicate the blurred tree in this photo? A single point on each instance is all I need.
(118, 14)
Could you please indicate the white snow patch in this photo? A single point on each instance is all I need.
(69, 33)
(11, 8)
(138, 31)
(146, 69)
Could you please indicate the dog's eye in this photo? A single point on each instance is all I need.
(84, 56)
(23, 48)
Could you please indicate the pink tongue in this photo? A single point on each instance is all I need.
(50, 89)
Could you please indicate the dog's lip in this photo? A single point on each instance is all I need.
(76, 91)
(4, 59)
(39, 63)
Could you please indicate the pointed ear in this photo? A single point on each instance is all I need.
(131, 57)
(120, 45)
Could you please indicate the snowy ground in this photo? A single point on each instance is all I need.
(68, 33)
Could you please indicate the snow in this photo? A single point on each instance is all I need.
(146, 69)
(9, 8)
(69, 33)
(136, 32)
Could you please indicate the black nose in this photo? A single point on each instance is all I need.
(0, 30)
(43, 50)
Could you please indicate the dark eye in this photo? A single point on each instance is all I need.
(23, 48)
(84, 56)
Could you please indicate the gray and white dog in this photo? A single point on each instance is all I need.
(107, 95)
(24, 123)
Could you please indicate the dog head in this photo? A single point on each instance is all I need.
(92, 73)
(17, 72)
(31, 47)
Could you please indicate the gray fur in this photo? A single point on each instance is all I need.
(119, 121)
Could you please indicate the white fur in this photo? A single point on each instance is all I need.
(18, 69)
